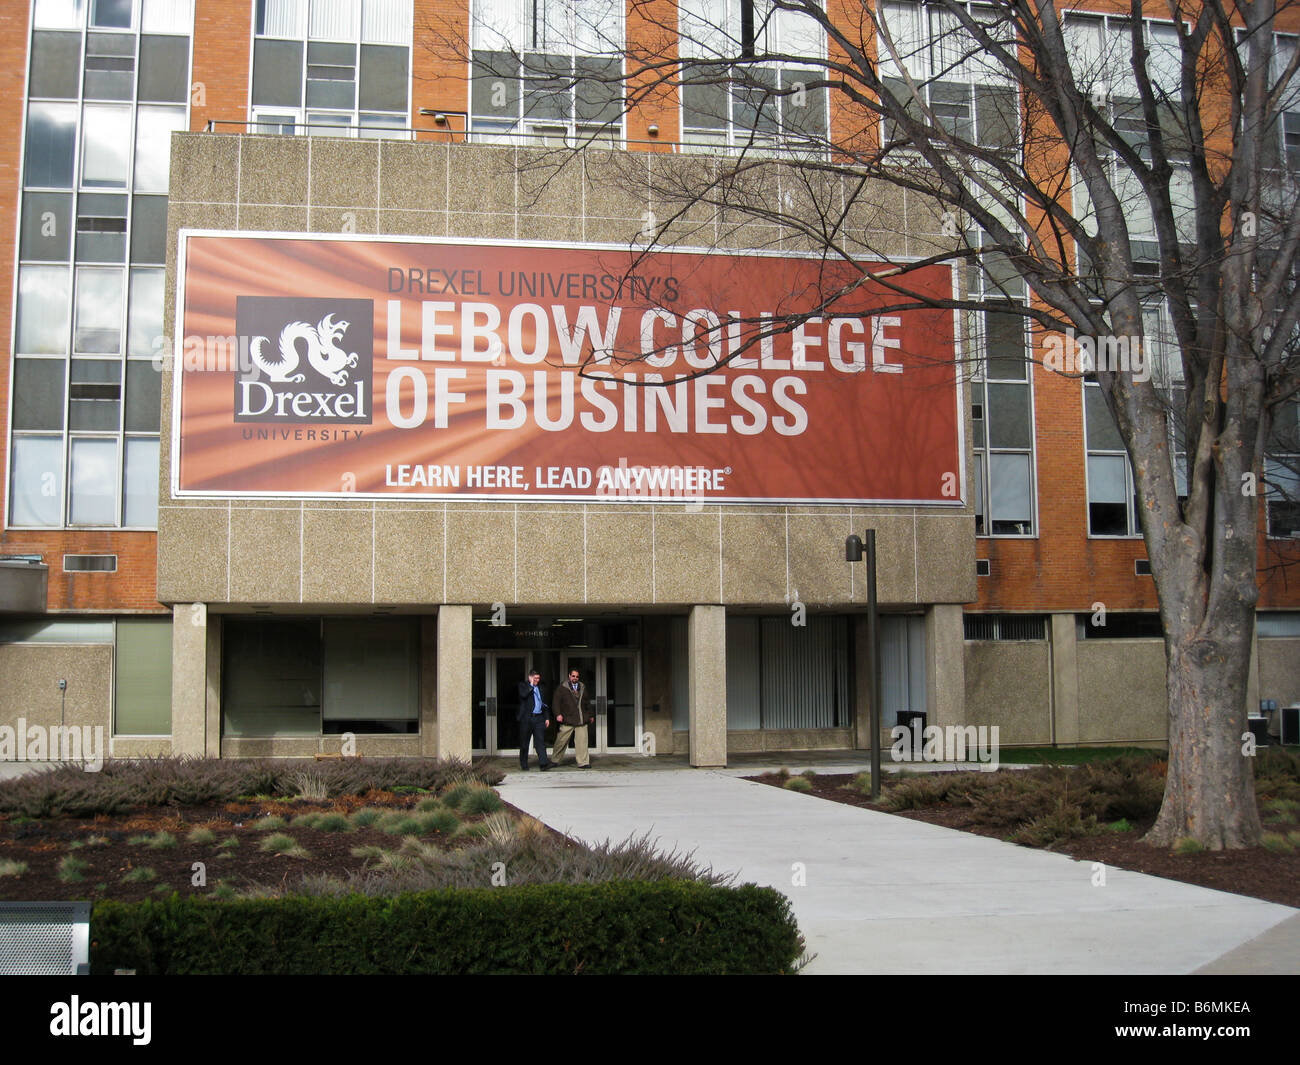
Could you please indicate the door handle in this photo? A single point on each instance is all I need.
(492, 704)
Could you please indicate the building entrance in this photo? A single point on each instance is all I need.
(613, 686)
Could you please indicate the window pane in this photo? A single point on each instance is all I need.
(1009, 494)
(805, 109)
(58, 14)
(105, 143)
(141, 476)
(383, 78)
(1008, 416)
(47, 226)
(56, 65)
(705, 106)
(1283, 495)
(277, 73)
(333, 19)
(149, 229)
(153, 142)
(386, 21)
(51, 145)
(143, 400)
(101, 228)
(372, 674)
(167, 16)
(598, 92)
(99, 311)
(997, 117)
(164, 69)
(38, 393)
(381, 126)
(547, 93)
(145, 312)
(110, 66)
(1103, 434)
(1004, 343)
(755, 107)
(110, 14)
(331, 75)
(95, 395)
(37, 490)
(981, 516)
(495, 85)
(143, 703)
(43, 310)
(271, 678)
(94, 482)
(280, 18)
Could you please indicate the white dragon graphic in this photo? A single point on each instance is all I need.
(323, 351)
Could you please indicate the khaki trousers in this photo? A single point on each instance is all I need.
(577, 733)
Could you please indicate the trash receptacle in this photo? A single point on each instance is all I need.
(1291, 724)
(1259, 729)
(914, 722)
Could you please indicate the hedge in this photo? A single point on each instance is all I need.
(630, 927)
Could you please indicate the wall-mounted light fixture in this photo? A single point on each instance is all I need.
(652, 129)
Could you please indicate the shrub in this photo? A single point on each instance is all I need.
(862, 783)
(428, 805)
(1276, 842)
(280, 843)
(811, 774)
(230, 843)
(201, 836)
(185, 781)
(669, 927)
(457, 794)
(333, 823)
(141, 874)
(72, 870)
(798, 784)
(1061, 825)
(365, 817)
(306, 820)
(1122, 825)
(268, 824)
(161, 841)
(443, 821)
(12, 867)
(398, 823)
(481, 801)
(1188, 845)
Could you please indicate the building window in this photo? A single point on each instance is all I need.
(969, 95)
(547, 71)
(312, 676)
(1004, 626)
(773, 105)
(1282, 473)
(1112, 492)
(108, 85)
(332, 67)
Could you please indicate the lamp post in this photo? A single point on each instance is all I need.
(854, 549)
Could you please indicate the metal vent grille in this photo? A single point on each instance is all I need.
(44, 938)
(1005, 626)
(89, 563)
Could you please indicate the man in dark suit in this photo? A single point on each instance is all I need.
(533, 721)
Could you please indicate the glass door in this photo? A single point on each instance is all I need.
(614, 697)
(494, 725)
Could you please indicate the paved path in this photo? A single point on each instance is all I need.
(889, 894)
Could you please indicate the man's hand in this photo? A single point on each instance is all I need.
(548, 722)
(559, 718)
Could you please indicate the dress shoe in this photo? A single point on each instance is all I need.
(546, 766)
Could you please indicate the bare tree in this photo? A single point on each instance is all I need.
(1127, 184)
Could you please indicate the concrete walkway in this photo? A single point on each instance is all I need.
(889, 894)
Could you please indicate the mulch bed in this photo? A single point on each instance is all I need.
(43, 844)
(1255, 871)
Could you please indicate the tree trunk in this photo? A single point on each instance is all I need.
(1210, 786)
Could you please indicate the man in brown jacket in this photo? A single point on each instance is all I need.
(573, 718)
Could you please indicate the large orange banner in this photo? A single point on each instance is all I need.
(311, 366)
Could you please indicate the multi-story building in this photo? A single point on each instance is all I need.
(258, 601)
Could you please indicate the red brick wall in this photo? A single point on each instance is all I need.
(222, 50)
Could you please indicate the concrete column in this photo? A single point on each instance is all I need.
(455, 681)
(190, 679)
(429, 687)
(213, 744)
(706, 650)
(945, 660)
(1065, 679)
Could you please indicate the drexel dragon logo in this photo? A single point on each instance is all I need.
(309, 360)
